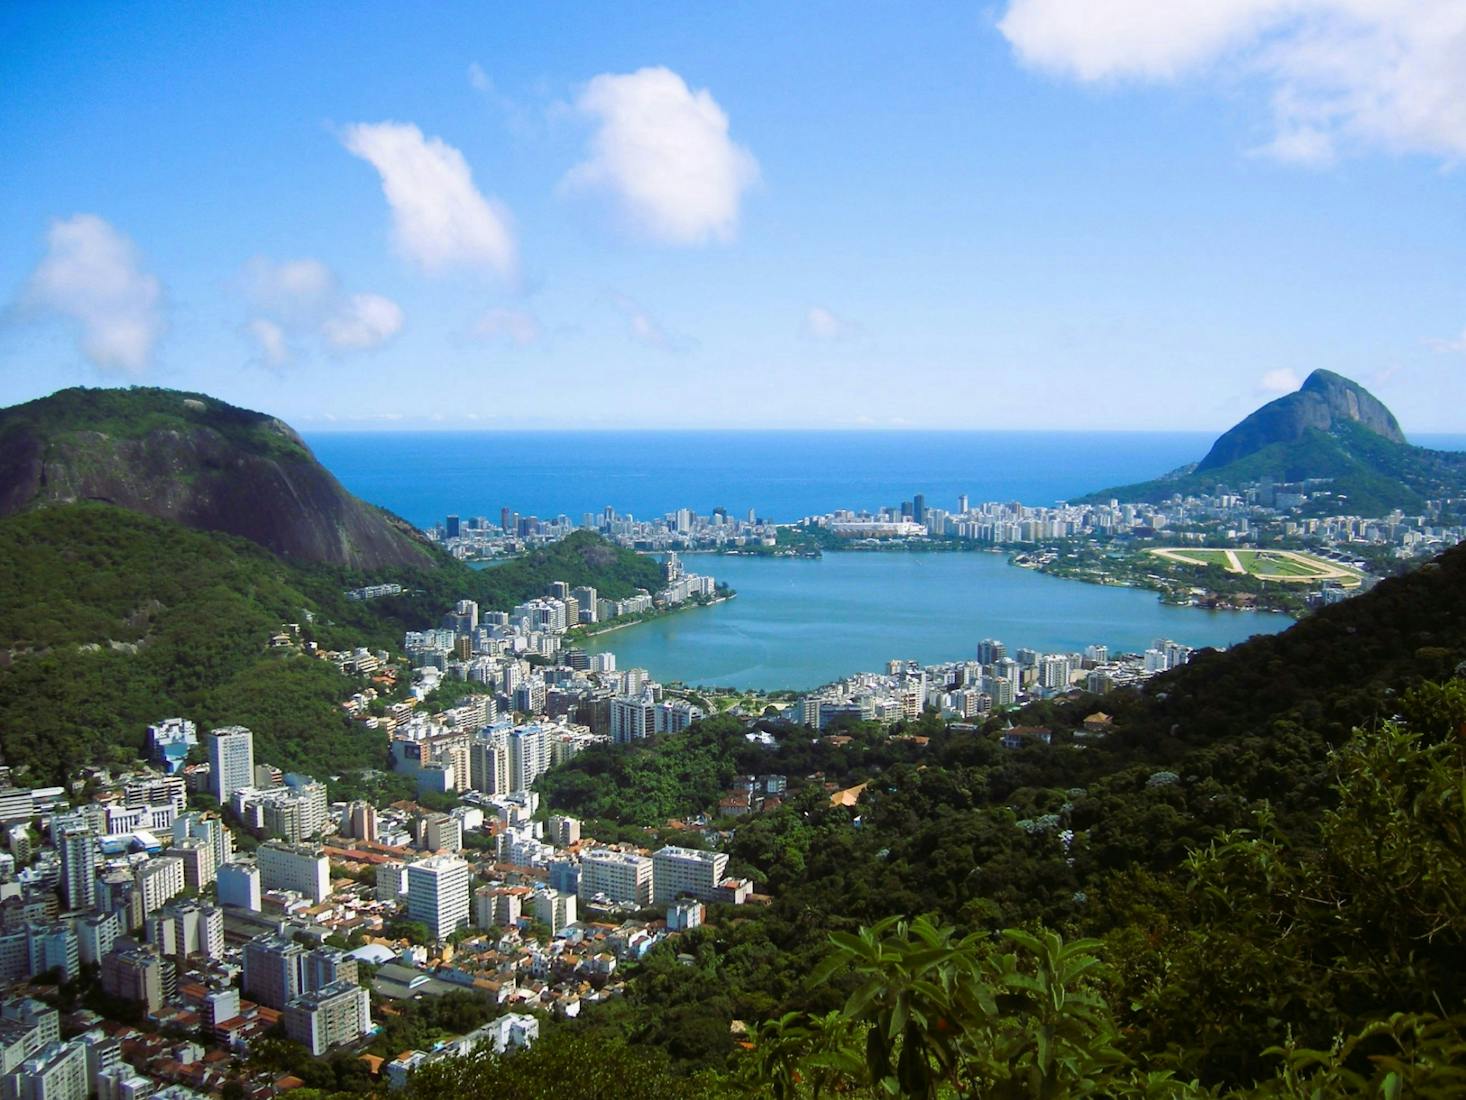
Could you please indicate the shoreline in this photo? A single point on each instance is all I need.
(652, 618)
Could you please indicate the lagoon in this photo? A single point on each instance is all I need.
(800, 623)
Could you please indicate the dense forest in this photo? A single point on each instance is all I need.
(111, 620)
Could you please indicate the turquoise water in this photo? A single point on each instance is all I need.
(799, 623)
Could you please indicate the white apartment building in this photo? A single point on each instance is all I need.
(554, 909)
(184, 928)
(231, 760)
(624, 877)
(678, 871)
(158, 881)
(299, 867)
(238, 884)
(437, 894)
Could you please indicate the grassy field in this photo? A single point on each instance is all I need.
(1291, 566)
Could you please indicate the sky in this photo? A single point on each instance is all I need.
(1115, 214)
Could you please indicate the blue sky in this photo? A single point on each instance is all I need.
(1116, 214)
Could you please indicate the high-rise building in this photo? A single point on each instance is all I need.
(325, 966)
(990, 651)
(158, 881)
(58, 1071)
(139, 973)
(52, 946)
(437, 894)
(452, 528)
(231, 760)
(678, 871)
(328, 1017)
(391, 881)
(95, 935)
(488, 758)
(529, 756)
(299, 867)
(184, 928)
(585, 599)
(238, 885)
(563, 830)
(623, 877)
(197, 856)
(208, 827)
(273, 970)
(442, 833)
(78, 847)
(361, 821)
(554, 909)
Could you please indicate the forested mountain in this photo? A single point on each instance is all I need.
(1332, 429)
(192, 458)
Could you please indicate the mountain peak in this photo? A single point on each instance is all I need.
(1324, 402)
(197, 460)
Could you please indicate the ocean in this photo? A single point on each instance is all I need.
(424, 476)
(783, 475)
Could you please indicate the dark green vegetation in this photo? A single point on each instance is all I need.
(1332, 429)
(583, 558)
(111, 620)
(192, 458)
(1261, 853)
(559, 1065)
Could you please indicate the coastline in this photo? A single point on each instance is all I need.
(611, 629)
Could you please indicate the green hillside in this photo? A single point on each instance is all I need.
(110, 620)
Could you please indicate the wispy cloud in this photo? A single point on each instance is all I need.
(440, 218)
(361, 322)
(663, 155)
(1458, 344)
(518, 326)
(300, 300)
(92, 276)
(822, 324)
(642, 327)
(1279, 381)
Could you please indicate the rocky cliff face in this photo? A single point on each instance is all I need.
(1323, 402)
(196, 460)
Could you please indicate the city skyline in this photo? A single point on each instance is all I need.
(831, 218)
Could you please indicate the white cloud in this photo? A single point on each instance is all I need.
(362, 322)
(661, 151)
(1282, 380)
(271, 339)
(301, 299)
(298, 290)
(518, 326)
(821, 324)
(642, 327)
(479, 79)
(440, 219)
(91, 274)
(1341, 74)
(1456, 345)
